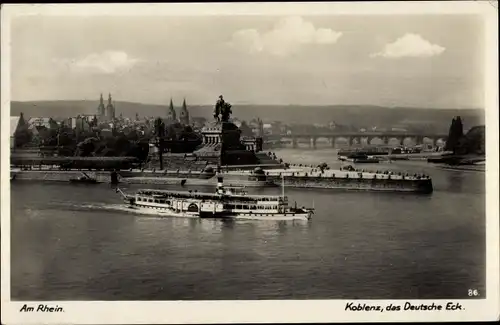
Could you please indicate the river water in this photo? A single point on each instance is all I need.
(76, 242)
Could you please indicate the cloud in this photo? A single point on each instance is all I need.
(410, 45)
(287, 36)
(106, 62)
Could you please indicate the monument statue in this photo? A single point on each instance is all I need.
(223, 109)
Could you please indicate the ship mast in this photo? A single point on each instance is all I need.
(283, 186)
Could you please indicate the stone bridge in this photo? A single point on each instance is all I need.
(351, 137)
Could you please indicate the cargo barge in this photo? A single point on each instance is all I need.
(352, 180)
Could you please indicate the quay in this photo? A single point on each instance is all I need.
(292, 176)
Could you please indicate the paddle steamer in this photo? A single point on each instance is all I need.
(224, 203)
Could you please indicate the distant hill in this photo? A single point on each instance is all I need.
(359, 116)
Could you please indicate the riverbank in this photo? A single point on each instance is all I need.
(410, 156)
(154, 177)
(140, 176)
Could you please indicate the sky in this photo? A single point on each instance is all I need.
(418, 61)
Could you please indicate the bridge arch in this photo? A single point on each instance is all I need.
(323, 139)
(394, 141)
(339, 140)
(375, 140)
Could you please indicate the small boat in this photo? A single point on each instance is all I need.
(14, 172)
(224, 203)
(85, 179)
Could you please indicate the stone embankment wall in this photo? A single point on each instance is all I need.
(56, 175)
(137, 176)
(174, 162)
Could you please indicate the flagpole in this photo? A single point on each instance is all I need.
(283, 186)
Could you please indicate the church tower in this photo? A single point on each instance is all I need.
(171, 115)
(101, 109)
(110, 109)
(184, 118)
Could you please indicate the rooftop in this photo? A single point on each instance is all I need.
(14, 121)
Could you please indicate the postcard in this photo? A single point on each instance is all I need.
(220, 163)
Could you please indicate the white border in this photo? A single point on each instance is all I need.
(290, 311)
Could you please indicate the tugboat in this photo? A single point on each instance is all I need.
(13, 173)
(85, 179)
(224, 203)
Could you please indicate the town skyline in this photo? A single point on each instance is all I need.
(261, 60)
(178, 103)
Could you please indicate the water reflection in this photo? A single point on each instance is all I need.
(193, 224)
(210, 226)
(455, 182)
(281, 227)
(227, 224)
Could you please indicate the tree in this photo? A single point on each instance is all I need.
(139, 149)
(159, 127)
(459, 127)
(132, 135)
(455, 133)
(473, 142)
(160, 135)
(86, 147)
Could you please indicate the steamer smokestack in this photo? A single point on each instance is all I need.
(220, 186)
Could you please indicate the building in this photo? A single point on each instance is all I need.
(184, 116)
(212, 134)
(47, 122)
(171, 114)
(110, 110)
(82, 123)
(38, 134)
(19, 133)
(101, 110)
(106, 113)
(106, 133)
(198, 122)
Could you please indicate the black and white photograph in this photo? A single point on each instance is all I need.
(324, 161)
